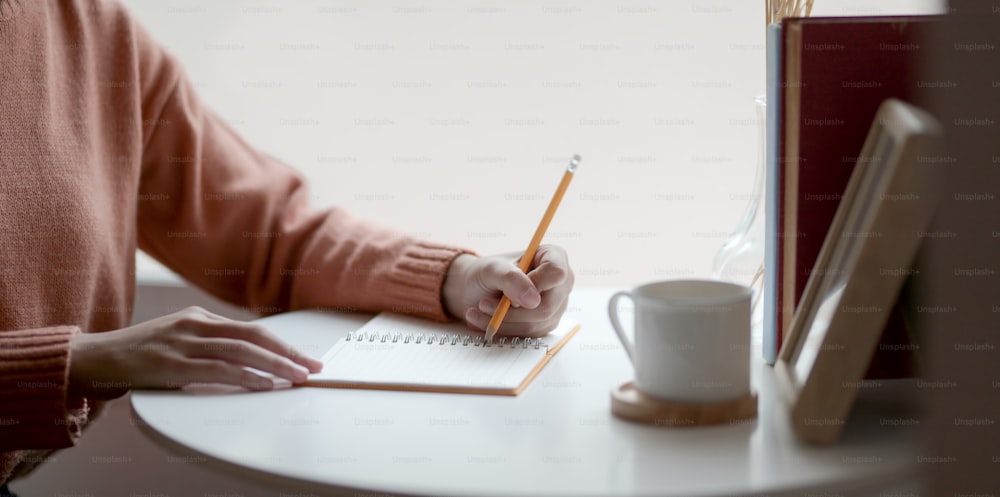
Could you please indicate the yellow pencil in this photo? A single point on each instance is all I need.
(536, 240)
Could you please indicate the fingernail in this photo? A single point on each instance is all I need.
(530, 298)
(262, 384)
(315, 365)
(301, 373)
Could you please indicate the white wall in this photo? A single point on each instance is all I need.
(454, 120)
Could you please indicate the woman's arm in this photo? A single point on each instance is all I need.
(237, 223)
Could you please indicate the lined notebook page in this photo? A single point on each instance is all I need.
(405, 353)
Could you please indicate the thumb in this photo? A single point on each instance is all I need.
(509, 279)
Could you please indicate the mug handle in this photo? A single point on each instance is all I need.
(616, 324)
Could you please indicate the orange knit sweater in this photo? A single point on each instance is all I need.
(105, 147)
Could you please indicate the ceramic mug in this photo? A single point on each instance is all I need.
(692, 339)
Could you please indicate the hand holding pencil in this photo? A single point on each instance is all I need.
(536, 240)
(482, 290)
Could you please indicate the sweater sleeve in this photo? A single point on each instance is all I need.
(237, 223)
(33, 384)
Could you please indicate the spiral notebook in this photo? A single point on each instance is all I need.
(395, 352)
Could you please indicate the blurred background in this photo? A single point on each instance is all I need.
(454, 120)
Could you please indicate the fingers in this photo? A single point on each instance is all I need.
(257, 335)
(244, 353)
(216, 349)
(524, 322)
(218, 371)
(550, 269)
(508, 278)
(478, 320)
(549, 278)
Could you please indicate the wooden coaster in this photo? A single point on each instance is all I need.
(631, 404)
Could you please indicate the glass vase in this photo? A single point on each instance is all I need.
(741, 257)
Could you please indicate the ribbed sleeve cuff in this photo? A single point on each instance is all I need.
(415, 281)
(34, 369)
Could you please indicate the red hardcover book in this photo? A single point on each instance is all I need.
(835, 73)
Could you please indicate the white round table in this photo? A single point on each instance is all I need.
(558, 438)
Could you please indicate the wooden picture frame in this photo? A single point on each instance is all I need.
(861, 267)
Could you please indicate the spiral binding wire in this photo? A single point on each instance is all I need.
(453, 340)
